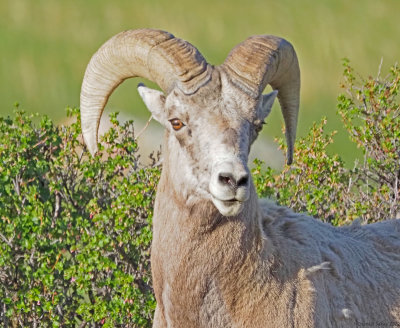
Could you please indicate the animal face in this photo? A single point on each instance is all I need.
(212, 114)
(208, 136)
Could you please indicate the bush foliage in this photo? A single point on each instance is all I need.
(320, 184)
(75, 231)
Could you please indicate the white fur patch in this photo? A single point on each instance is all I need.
(322, 266)
(167, 304)
(347, 313)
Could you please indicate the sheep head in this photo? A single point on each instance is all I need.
(211, 115)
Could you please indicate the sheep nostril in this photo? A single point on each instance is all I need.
(226, 179)
(243, 181)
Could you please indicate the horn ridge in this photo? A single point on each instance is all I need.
(152, 54)
(185, 62)
(268, 59)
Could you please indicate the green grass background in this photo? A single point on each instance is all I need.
(45, 46)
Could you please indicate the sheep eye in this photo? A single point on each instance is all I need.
(258, 125)
(177, 124)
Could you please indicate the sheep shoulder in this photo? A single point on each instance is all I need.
(353, 270)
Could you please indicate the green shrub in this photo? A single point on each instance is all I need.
(320, 184)
(75, 231)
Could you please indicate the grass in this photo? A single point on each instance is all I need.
(46, 45)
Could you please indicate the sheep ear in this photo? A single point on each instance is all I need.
(154, 101)
(266, 105)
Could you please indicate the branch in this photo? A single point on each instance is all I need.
(57, 208)
(5, 240)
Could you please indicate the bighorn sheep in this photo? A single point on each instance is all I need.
(220, 256)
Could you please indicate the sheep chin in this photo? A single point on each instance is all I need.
(228, 207)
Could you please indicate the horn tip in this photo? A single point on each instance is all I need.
(289, 156)
(289, 160)
(91, 145)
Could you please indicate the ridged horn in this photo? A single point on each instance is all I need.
(267, 59)
(152, 54)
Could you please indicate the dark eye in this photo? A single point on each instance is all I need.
(258, 125)
(176, 124)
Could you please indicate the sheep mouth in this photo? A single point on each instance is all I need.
(230, 207)
(231, 201)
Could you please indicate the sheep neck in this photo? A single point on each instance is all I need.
(196, 251)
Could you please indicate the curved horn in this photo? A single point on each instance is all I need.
(267, 59)
(155, 55)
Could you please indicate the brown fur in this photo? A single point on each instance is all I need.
(267, 267)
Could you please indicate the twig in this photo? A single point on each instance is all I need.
(57, 208)
(59, 311)
(5, 240)
(58, 257)
(144, 128)
(40, 142)
(31, 257)
(5, 321)
(380, 67)
(34, 317)
(16, 184)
